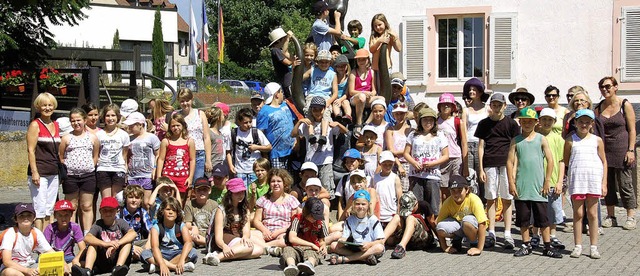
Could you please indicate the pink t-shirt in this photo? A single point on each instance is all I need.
(448, 128)
(277, 215)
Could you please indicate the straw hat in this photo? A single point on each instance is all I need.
(276, 35)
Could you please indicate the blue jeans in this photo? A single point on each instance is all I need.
(200, 161)
(248, 178)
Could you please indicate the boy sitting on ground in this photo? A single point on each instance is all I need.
(412, 227)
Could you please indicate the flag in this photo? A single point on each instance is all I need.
(205, 34)
(220, 35)
(193, 32)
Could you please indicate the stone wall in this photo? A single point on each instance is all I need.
(13, 158)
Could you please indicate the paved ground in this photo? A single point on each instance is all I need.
(620, 251)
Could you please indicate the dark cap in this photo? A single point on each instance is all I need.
(24, 207)
(318, 101)
(497, 97)
(341, 59)
(202, 182)
(320, 6)
(220, 170)
(315, 207)
(458, 181)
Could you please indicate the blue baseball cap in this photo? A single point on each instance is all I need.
(585, 112)
(352, 153)
(362, 194)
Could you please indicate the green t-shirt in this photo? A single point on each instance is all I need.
(217, 195)
(361, 42)
(530, 172)
(261, 190)
(556, 144)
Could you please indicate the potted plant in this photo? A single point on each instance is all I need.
(53, 81)
(13, 81)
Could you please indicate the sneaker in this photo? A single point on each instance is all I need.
(594, 254)
(456, 243)
(556, 243)
(291, 270)
(152, 268)
(576, 253)
(313, 139)
(189, 267)
(609, 222)
(523, 251)
(212, 259)
(490, 241)
(346, 120)
(306, 268)
(535, 241)
(322, 140)
(553, 253)
(630, 224)
(120, 270)
(77, 270)
(509, 243)
(274, 251)
(399, 252)
(600, 231)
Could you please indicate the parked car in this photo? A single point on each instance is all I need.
(257, 86)
(237, 85)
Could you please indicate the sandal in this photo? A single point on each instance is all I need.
(356, 131)
(372, 260)
(336, 259)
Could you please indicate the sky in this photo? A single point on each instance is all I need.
(184, 11)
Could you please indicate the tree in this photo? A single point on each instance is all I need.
(24, 31)
(157, 51)
(116, 64)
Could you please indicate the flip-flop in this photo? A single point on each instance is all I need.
(372, 260)
(356, 131)
(336, 259)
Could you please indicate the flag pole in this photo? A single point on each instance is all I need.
(219, 40)
(203, 45)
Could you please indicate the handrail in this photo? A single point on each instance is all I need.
(173, 90)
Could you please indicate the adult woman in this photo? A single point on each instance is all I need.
(475, 111)
(579, 100)
(618, 119)
(521, 99)
(196, 125)
(274, 210)
(552, 96)
(43, 138)
(573, 90)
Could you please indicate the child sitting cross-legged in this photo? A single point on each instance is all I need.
(306, 237)
(171, 245)
(137, 217)
(63, 234)
(198, 212)
(412, 227)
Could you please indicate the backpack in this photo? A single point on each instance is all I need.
(234, 136)
(456, 123)
(33, 234)
(161, 233)
(344, 189)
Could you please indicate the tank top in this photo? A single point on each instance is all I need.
(448, 129)
(46, 148)
(399, 143)
(363, 84)
(472, 123)
(194, 126)
(342, 87)
(616, 139)
(386, 188)
(530, 174)
(176, 164)
(79, 155)
(557, 127)
(217, 148)
(585, 168)
(371, 163)
(379, 129)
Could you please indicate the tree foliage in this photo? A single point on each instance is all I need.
(24, 33)
(246, 29)
(157, 51)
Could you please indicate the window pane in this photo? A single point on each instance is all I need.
(468, 58)
(468, 31)
(453, 33)
(442, 32)
(453, 63)
(478, 32)
(442, 63)
(478, 63)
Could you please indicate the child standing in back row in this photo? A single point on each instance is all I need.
(177, 157)
(143, 151)
(529, 181)
(587, 178)
(381, 33)
(455, 130)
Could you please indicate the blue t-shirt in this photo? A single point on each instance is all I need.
(170, 241)
(388, 116)
(321, 82)
(362, 230)
(321, 36)
(342, 87)
(277, 123)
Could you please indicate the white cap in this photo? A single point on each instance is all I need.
(128, 106)
(270, 90)
(135, 117)
(386, 156)
(65, 126)
(314, 181)
(399, 107)
(380, 102)
(369, 128)
(548, 112)
(358, 173)
(309, 166)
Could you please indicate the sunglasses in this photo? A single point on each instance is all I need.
(521, 99)
(569, 96)
(606, 86)
(551, 96)
(400, 105)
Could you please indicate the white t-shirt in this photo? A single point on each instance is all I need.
(323, 155)
(111, 146)
(386, 188)
(142, 161)
(21, 253)
(426, 151)
(345, 190)
(362, 230)
(245, 165)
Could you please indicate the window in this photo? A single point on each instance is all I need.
(146, 63)
(630, 44)
(460, 47)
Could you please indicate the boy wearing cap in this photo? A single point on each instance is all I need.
(109, 243)
(399, 94)
(495, 133)
(20, 241)
(529, 182)
(143, 152)
(322, 33)
(412, 227)
(323, 82)
(218, 180)
(307, 239)
(275, 120)
(199, 211)
(137, 217)
(388, 186)
(462, 215)
(308, 171)
(63, 234)
(281, 58)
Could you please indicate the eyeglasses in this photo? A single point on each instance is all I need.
(606, 86)
(579, 101)
(520, 99)
(551, 96)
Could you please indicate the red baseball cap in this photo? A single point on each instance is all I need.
(63, 205)
(109, 202)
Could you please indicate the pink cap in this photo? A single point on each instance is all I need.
(236, 185)
(224, 107)
(447, 98)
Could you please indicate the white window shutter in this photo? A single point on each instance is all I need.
(414, 52)
(630, 43)
(502, 48)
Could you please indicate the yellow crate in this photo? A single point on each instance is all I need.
(52, 264)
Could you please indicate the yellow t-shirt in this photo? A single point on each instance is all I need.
(556, 144)
(472, 205)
